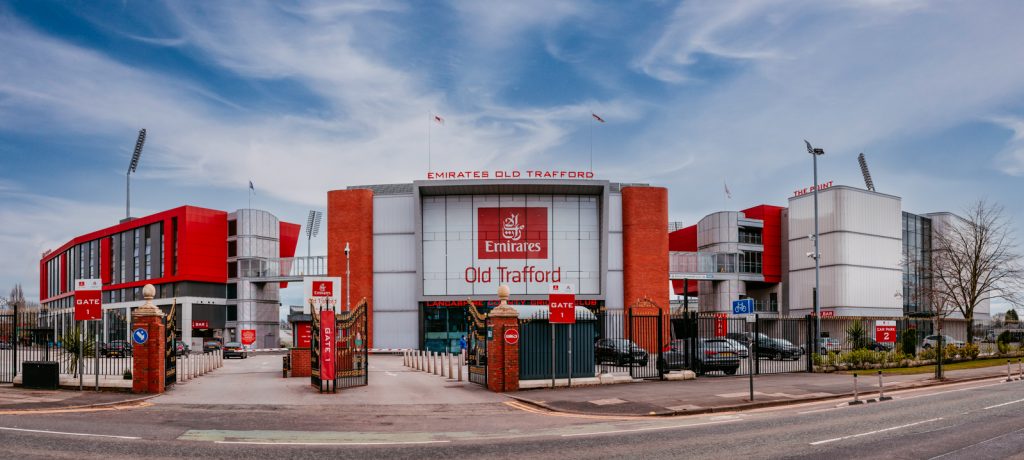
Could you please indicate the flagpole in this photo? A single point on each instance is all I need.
(430, 121)
(591, 145)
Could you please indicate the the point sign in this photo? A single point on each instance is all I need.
(511, 336)
(562, 303)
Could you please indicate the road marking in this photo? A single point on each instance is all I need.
(825, 441)
(1004, 404)
(377, 443)
(653, 428)
(818, 410)
(131, 405)
(534, 410)
(976, 444)
(68, 434)
(392, 374)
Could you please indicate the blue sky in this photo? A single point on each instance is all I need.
(304, 97)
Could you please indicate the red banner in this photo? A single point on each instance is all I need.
(248, 336)
(88, 300)
(203, 324)
(327, 334)
(304, 334)
(721, 325)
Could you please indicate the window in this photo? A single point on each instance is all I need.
(750, 262)
(149, 251)
(750, 235)
(135, 252)
(232, 313)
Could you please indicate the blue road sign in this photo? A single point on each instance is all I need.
(140, 336)
(743, 307)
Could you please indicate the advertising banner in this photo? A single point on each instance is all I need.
(474, 243)
(323, 293)
(200, 324)
(721, 325)
(327, 333)
(88, 299)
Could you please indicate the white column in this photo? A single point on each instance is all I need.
(128, 323)
(186, 323)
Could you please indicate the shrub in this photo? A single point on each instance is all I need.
(908, 343)
(970, 351)
(856, 336)
(1003, 347)
(927, 353)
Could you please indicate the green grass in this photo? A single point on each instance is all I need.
(976, 364)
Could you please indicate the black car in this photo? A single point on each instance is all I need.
(116, 348)
(211, 346)
(778, 349)
(710, 355)
(745, 337)
(234, 349)
(621, 352)
(879, 346)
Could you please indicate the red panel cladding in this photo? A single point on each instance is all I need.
(683, 240)
(42, 279)
(771, 237)
(350, 219)
(289, 239)
(105, 260)
(202, 245)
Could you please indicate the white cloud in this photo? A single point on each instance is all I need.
(1011, 160)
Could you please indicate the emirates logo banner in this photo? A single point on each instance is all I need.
(512, 233)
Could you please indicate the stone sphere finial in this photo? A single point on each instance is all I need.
(148, 292)
(503, 309)
(503, 292)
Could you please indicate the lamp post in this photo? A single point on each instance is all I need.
(348, 280)
(815, 153)
(128, 176)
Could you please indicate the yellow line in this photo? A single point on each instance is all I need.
(76, 409)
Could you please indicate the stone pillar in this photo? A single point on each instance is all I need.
(186, 324)
(148, 362)
(503, 357)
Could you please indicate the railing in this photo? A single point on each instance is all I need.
(286, 267)
(702, 262)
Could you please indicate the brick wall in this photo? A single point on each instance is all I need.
(300, 362)
(350, 218)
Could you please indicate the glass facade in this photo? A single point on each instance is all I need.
(917, 260)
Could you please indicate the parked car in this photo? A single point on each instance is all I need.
(180, 348)
(236, 350)
(116, 348)
(5, 345)
(621, 352)
(879, 346)
(211, 346)
(716, 354)
(933, 340)
(741, 349)
(778, 349)
(745, 337)
(826, 345)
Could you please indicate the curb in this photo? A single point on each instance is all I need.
(81, 406)
(747, 406)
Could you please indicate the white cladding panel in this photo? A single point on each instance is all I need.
(396, 329)
(847, 249)
(615, 292)
(394, 214)
(846, 209)
(394, 253)
(394, 292)
(614, 212)
(847, 286)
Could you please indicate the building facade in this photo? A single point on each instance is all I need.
(419, 251)
(191, 255)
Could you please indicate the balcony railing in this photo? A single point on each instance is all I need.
(702, 262)
(287, 267)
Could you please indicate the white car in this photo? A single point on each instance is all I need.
(933, 340)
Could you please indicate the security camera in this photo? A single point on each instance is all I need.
(811, 255)
(810, 237)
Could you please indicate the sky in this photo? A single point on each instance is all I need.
(305, 97)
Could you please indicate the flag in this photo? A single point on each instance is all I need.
(597, 117)
(438, 119)
(728, 194)
(251, 186)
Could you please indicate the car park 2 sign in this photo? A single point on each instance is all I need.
(885, 331)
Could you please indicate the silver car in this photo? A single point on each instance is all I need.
(933, 341)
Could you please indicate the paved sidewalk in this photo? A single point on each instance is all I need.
(724, 393)
(12, 398)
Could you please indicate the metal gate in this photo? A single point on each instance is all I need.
(8, 348)
(170, 348)
(476, 360)
(712, 343)
(632, 341)
(353, 362)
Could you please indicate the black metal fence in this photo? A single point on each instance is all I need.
(539, 344)
(352, 352)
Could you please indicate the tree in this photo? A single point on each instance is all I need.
(1011, 317)
(974, 259)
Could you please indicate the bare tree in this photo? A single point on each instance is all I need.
(975, 259)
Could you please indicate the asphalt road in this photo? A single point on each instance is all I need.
(982, 419)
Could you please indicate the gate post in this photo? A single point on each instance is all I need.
(148, 357)
(502, 356)
(811, 346)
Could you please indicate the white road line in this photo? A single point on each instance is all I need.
(286, 443)
(976, 444)
(648, 429)
(68, 434)
(825, 441)
(818, 410)
(1004, 404)
(949, 391)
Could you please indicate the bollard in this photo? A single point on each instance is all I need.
(436, 356)
(1020, 371)
(450, 357)
(405, 359)
(460, 367)
(420, 362)
(856, 396)
(1008, 377)
(881, 389)
(442, 364)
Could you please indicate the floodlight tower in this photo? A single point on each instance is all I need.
(312, 230)
(815, 153)
(131, 168)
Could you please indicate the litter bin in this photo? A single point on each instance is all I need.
(40, 375)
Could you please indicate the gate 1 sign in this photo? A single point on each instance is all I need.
(885, 331)
(248, 336)
(561, 304)
(327, 325)
(721, 325)
(88, 295)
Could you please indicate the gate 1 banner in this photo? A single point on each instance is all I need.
(88, 298)
(327, 333)
(721, 325)
(248, 336)
(885, 331)
(561, 304)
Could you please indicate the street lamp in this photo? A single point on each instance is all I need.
(348, 280)
(815, 153)
(131, 168)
